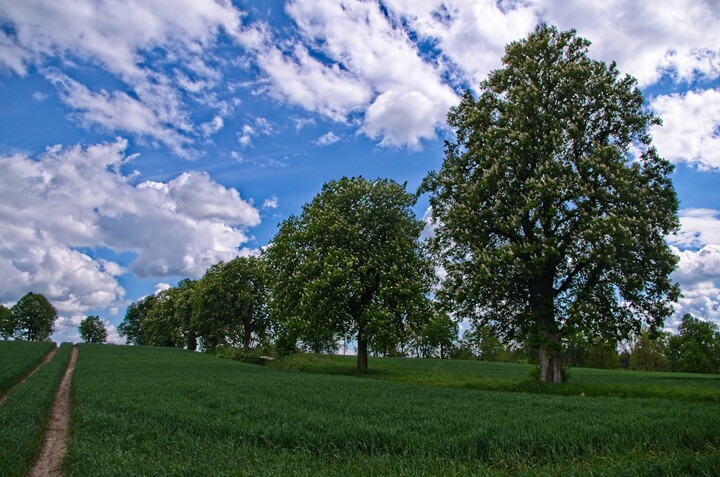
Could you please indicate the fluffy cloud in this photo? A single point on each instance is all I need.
(351, 56)
(327, 139)
(75, 198)
(691, 127)
(136, 50)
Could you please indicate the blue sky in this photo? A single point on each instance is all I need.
(142, 141)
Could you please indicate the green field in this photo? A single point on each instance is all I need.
(152, 411)
(24, 414)
(17, 358)
(495, 376)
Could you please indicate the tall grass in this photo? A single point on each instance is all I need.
(17, 358)
(24, 415)
(148, 411)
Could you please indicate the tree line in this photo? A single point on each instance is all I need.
(550, 213)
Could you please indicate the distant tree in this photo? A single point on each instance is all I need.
(603, 355)
(649, 352)
(351, 265)
(482, 343)
(92, 330)
(34, 317)
(696, 347)
(440, 334)
(161, 326)
(131, 327)
(7, 323)
(230, 304)
(546, 221)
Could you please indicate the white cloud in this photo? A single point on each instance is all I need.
(327, 139)
(88, 31)
(698, 227)
(270, 203)
(77, 197)
(260, 126)
(691, 127)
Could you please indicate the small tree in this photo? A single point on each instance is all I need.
(696, 347)
(440, 334)
(649, 353)
(230, 304)
(92, 330)
(131, 327)
(34, 317)
(548, 222)
(351, 266)
(7, 323)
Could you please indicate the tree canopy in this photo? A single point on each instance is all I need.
(351, 266)
(551, 204)
(230, 304)
(34, 317)
(92, 330)
(7, 323)
(696, 347)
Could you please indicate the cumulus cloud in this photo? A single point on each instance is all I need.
(351, 57)
(152, 104)
(260, 127)
(327, 139)
(77, 198)
(691, 127)
(270, 203)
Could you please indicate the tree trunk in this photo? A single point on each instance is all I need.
(247, 335)
(551, 359)
(362, 350)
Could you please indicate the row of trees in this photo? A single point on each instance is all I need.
(550, 209)
(32, 318)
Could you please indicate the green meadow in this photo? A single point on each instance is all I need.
(155, 411)
(17, 358)
(24, 414)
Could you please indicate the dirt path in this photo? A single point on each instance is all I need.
(50, 460)
(42, 363)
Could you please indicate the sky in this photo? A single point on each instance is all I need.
(142, 141)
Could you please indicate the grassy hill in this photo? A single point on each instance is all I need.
(152, 411)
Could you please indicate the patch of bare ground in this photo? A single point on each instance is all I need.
(51, 456)
(42, 363)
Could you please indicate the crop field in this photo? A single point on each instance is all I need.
(17, 358)
(494, 376)
(24, 414)
(153, 411)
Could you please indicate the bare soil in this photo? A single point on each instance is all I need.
(51, 457)
(42, 363)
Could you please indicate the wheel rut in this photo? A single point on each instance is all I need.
(42, 363)
(51, 456)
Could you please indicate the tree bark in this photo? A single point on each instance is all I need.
(551, 359)
(362, 350)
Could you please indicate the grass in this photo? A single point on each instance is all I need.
(17, 358)
(495, 376)
(172, 412)
(24, 415)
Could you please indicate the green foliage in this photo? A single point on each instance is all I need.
(546, 222)
(649, 353)
(24, 415)
(181, 413)
(92, 330)
(261, 356)
(696, 347)
(17, 358)
(7, 323)
(351, 266)
(230, 304)
(34, 317)
(131, 327)
(482, 343)
(168, 321)
(439, 335)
